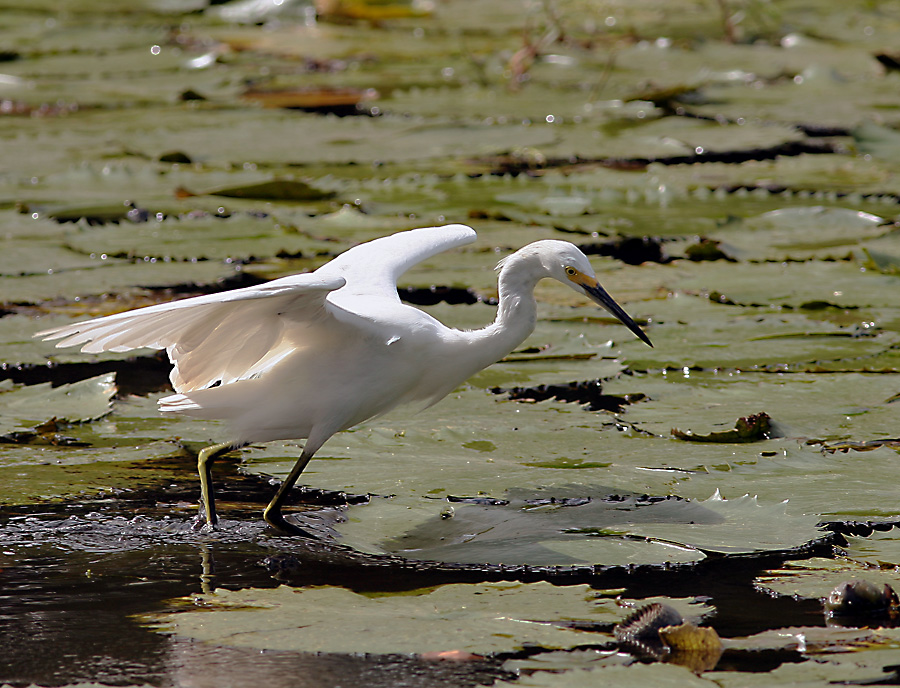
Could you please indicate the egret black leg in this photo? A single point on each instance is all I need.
(273, 514)
(204, 467)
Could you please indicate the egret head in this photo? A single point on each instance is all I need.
(565, 262)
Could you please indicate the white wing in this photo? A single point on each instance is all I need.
(236, 335)
(214, 338)
(373, 268)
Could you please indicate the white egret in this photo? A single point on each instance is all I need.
(306, 356)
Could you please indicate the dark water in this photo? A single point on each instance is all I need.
(73, 592)
(77, 578)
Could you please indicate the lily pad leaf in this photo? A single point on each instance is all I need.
(750, 428)
(587, 525)
(877, 140)
(815, 578)
(588, 393)
(487, 618)
(882, 262)
(27, 407)
(813, 639)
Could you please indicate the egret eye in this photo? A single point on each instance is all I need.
(571, 272)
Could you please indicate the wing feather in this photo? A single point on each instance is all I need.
(374, 267)
(212, 338)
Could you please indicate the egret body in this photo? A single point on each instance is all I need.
(306, 356)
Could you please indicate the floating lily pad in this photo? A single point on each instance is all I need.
(193, 239)
(572, 525)
(486, 619)
(815, 578)
(111, 276)
(40, 473)
(26, 407)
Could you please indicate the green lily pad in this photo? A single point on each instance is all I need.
(111, 276)
(877, 140)
(881, 262)
(204, 238)
(551, 527)
(487, 618)
(881, 550)
(26, 407)
(815, 578)
(30, 474)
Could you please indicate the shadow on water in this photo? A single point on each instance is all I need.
(74, 578)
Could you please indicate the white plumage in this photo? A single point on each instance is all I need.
(306, 356)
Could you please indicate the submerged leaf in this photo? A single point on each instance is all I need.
(582, 524)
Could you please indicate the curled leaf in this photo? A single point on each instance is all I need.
(747, 429)
(694, 647)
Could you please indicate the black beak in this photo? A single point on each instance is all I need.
(598, 294)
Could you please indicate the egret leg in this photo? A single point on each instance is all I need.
(204, 467)
(273, 514)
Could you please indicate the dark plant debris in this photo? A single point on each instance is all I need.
(859, 528)
(890, 61)
(176, 157)
(559, 501)
(44, 434)
(630, 250)
(480, 501)
(515, 165)
(845, 446)
(274, 190)
(339, 101)
(707, 249)
(589, 392)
